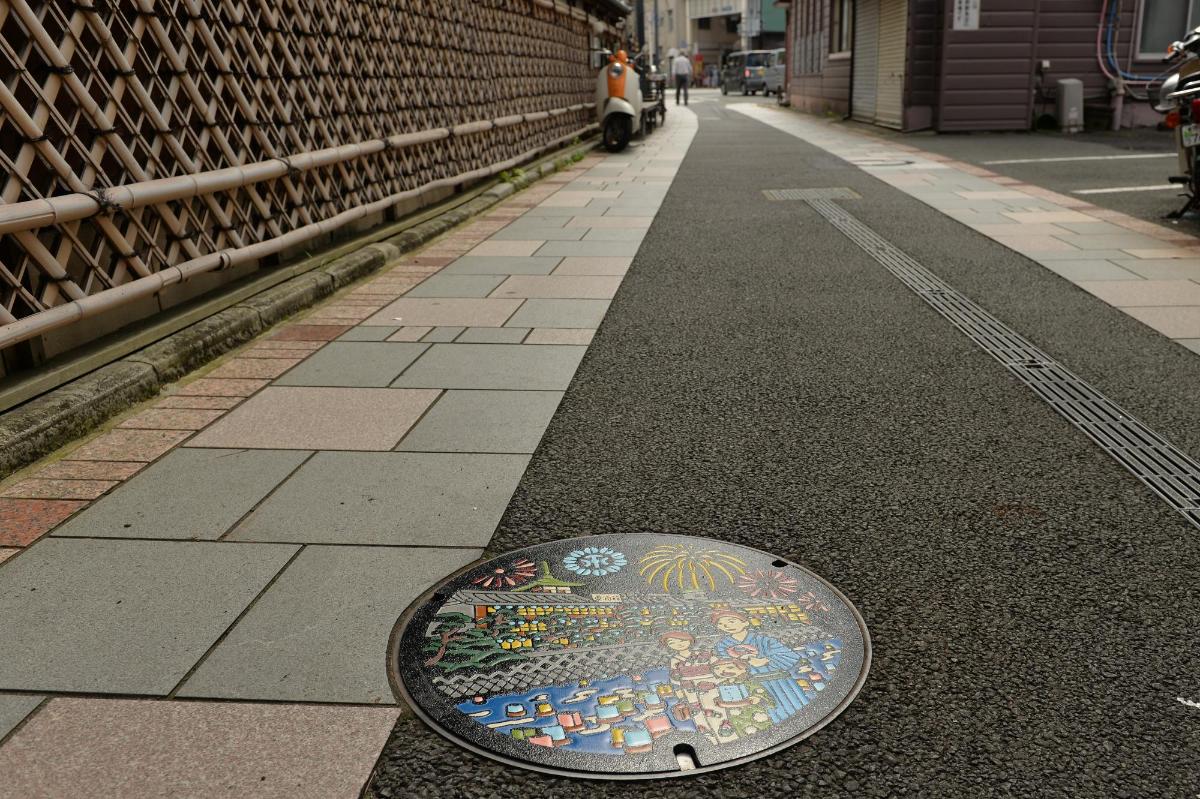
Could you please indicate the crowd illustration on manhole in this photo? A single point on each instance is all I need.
(725, 650)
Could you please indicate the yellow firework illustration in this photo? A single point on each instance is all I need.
(688, 566)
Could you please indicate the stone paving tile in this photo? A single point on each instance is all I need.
(136, 749)
(293, 417)
(199, 403)
(496, 366)
(502, 265)
(190, 494)
(1018, 229)
(1132, 293)
(1032, 244)
(550, 335)
(446, 312)
(409, 333)
(1162, 268)
(268, 344)
(7, 552)
(1119, 241)
(611, 222)
(1192, 344)
(1163, 252)
(227, 387)
(442, 335)
(13, 710)
(560, 313)
(559, 287)
(295, 355)
(304, 332)
(252, 367)
(171, 419)
(594, 265)
(544, 211)
(1180, 322)
(353, 363)
(1078, 271)
(367, 333)
(129, 445)
(22, 521)
(626, 210)
(316, 634)
(394, 498)
(484, 421)
(493, 335)
(126, 617)
(507, 248)
(589, 248)
(1072, 254)
(529, 232)
(427, 260)
(90, 470)
(457, 286)
(1048, 216)
(38, 488)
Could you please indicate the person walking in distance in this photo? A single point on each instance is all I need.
(681, 68)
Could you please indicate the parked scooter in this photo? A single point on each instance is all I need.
(1179, 99)
(619, 103)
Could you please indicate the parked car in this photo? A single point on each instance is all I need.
(773, 80)
(744, 71)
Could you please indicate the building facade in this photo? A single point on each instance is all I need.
(962, 65)
(709, 29)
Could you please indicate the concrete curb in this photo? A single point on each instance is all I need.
(42, 425)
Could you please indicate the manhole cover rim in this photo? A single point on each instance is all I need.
(401, 692)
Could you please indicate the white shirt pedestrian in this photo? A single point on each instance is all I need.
(681, 68)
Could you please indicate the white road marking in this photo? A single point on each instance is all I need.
(1120, 189)
(1078, 158)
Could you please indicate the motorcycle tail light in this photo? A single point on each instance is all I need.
(1172, 120)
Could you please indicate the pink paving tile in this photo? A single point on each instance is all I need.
(129, 445)
(216, 750)
(255, 352)
(409, 334)
(89, 470)
(565, 287)
(171, 419)
(593, 265)
(431, 312)
(427, 260)
(345, 313)
(38, 488)
(24, 520)
(6, 553)
(310, 346)
(202, 403)
(516, 248)
(253, 367)
(310, 332)
(1134, 293)
(1178, 322)
(213, 387)
(554, 335)
(292, 417)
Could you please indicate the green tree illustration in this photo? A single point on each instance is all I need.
(456, 643)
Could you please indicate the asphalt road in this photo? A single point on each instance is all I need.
(760, 380)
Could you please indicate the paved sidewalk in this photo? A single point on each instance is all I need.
(254, 534)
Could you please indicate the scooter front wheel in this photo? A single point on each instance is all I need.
(618, 130)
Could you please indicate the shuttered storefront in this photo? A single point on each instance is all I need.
(866, 60)
(893, 46)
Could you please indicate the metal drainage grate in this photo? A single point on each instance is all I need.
(811, 194)
(1168, 471)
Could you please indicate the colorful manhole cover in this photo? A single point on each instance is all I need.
(630, 656)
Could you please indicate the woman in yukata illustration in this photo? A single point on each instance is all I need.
(770, 662)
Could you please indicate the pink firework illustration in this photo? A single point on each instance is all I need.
(510, 576)
(809, 601)
(767, 585)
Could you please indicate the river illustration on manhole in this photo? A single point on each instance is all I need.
(609, 656)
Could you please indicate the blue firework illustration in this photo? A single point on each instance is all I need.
(595, 561)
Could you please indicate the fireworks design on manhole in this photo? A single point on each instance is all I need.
(559, 658)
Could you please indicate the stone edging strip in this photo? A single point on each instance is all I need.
(40, 426)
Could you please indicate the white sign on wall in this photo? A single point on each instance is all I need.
(966, 15)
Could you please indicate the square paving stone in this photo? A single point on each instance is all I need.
(511, 248)
(442, 335)
(493, 335)
(372, 333)
(395, 498)
(14, 708)
(1133, 293)
(560, 313)
(138, 748)
(432, 312)
(189, 494)
(1172, 322)
(499, 366)
(129, 445)
(594, 265)
(317, 634)
(615, 234)
(484, 421)
(560, 287)
(501, 265)
(452, 285)
(292, 417)
(589, 248)
(22, 521)
(353, 363)
(129, 617)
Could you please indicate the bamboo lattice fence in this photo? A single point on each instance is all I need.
(145, 141)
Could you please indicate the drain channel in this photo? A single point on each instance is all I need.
(1165, 469)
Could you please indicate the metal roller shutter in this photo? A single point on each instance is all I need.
(893, 45)
(866, 60)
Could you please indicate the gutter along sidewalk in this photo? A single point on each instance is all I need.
(200, 598)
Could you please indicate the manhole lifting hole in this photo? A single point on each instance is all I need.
(630, 656)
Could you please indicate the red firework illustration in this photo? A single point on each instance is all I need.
(767, 585)
(809, 601)
(510, 576)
